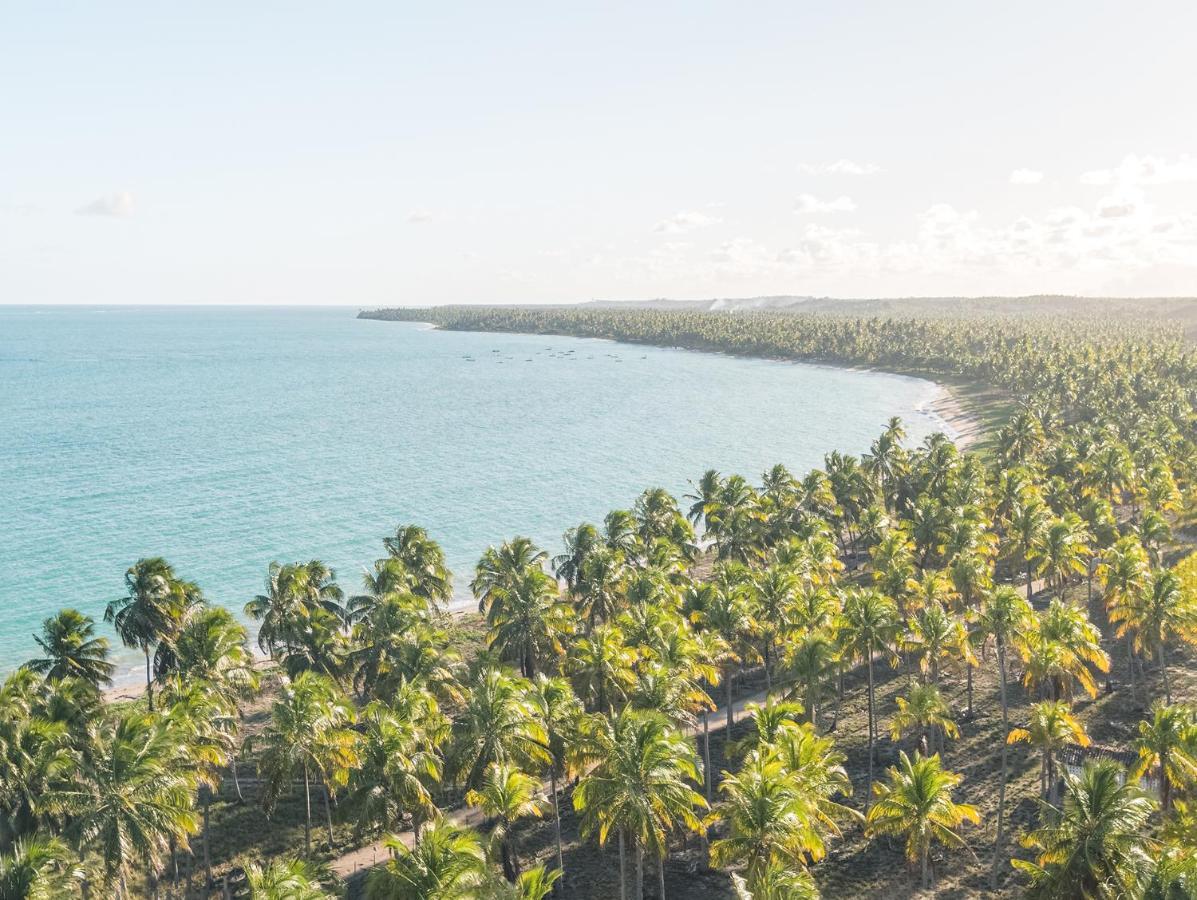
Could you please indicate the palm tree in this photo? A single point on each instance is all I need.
(775, 590)
(500, 565)
(132, 802)
(287, 879)
(446, 863)
(310, 734)
(423, 560)
(1125, 573)
(723, 607)
(302, 602)
(72, 650)
(1096, 845)
(924, 712)
(507, 795)
(766, 722)
(151, 608)
(534, 884)
(917, 804)
(765, 825)
(497, 725)
(400, 760)
(868, 623)
(1168, 612)
(639, 787)
(526, 622)
(1028, 521)
(1003, 617)
(602, 665)
(1050, 727)
(1167, 743)
(560, 712)
(1063, 648)
(1061, 551)
(40, 869)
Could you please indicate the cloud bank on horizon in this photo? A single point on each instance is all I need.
(379, 156)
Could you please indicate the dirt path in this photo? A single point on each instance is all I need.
(372, 854)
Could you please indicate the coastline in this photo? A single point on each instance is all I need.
(959, 424)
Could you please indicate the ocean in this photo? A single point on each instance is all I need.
(224, 438)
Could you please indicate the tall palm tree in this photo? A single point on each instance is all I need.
(39, 869)
(424, 561)
(639, 787)
(602, 666)
(500, 565)
(154, 603)
(1167, 743)
(1051, 725)
(400, 760)
(1097, 844)
(1029, 519)
(132, 802)
(775, 590)
(1168, 612)
(310, 734)
(72, 650)
(497, 725)
(1003, 618)
(560, 713)
(299, 596)
(723, 607)
(1125, 574)
(923, 711)
(867, 625)
(525, 619)
(446, 863)
(287, 879)
(506, 796)
(1061, 551)
(917, 804)
(765, 825)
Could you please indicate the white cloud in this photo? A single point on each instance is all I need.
(1145, 170)
(684, 221)
(419, 216)
(1026, 176)
(809, 204)
(118, 205)
(839, 167)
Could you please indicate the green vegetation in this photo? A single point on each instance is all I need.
(897, 672)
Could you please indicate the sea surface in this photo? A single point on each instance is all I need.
(224, 438)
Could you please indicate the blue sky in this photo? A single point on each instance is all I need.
(382, 153)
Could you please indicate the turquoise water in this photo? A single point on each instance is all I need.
(225, 438)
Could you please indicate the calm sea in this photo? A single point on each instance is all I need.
(225, 438)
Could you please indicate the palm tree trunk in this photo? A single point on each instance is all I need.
(969, 670)
(926, 853)
(768, 678)
(1165, 784)
(557, 820)
(207, 841)
(623, 879)
(1030, 578)
(307, 819)
(869, 789)
(639, 871)
(727, 678)
(1001, 815)
(327, 811)
(661, 879)
(1130, 664)
(236, 779)
(149, 683)
(1164, 671)
(708, 775)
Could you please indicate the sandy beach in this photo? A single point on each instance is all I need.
(963, 428)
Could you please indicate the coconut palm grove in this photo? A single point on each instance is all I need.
(924, 670)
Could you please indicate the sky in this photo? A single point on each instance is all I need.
(398, 153)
